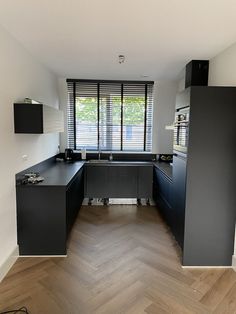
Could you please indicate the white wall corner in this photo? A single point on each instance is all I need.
(9, 262)
(234, 262)
(63, 99)
(164, 96)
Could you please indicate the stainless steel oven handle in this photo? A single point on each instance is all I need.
(181, 122)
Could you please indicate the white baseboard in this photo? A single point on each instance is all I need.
(42, 255)
(233, 265)
(9, 262)
(234, 262)
(202, 267)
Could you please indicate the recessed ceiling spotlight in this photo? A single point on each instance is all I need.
(121, 59)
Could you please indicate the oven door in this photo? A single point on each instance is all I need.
(181, 130)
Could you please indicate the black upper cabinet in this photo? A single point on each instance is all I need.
(196, 73)
(37, 119)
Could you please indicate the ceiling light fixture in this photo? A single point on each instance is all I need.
(121, 59)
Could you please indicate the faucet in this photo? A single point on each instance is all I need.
(110, 157)
(99, 152)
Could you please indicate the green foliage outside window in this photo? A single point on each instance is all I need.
(133, 109)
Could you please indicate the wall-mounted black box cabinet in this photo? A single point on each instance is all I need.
(197, 73)
(37, 119)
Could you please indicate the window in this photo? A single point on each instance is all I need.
(110, 115)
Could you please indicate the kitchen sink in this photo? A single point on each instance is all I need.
(98, 161)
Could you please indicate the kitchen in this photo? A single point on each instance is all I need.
(26, 151)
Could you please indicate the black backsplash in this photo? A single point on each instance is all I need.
(116, 156)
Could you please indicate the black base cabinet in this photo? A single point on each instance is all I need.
(179, 191)
(163, 196)
(74, 199)
(45, 215)
(118, 181)
(41, 220)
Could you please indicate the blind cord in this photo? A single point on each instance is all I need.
(23, 309)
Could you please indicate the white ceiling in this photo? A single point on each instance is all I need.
(83, 38)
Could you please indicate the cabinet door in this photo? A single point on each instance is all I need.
(145, 181)
(41, 220)
(179, 189)
(164, 191)
(123, 181)
(74, 199)
(96, 182)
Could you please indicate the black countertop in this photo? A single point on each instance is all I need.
(165, 167)
(62, 173)
(58, 174)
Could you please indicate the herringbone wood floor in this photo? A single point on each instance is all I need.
(121, 259)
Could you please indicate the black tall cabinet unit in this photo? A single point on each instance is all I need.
(204, 179)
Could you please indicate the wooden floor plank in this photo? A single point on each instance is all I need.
(121, 259)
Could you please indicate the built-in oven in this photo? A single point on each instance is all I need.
(181, 129)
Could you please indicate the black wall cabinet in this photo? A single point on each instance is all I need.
(37, 119)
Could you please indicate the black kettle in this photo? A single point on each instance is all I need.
(68, 154)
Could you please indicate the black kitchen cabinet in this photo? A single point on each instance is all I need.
(37, 119)
(123, 181)
(47, 211)
(74, 199)
(96, 181)
(41, 220)
(118, 180)
(203, 178)
(179, 190)
(145, 181)
(163, 196)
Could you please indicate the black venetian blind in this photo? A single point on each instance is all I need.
(110, 115)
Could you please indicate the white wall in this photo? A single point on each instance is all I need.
(222, 72)
(21, 76)
(163, 114)
(62, 88)
(222, 68)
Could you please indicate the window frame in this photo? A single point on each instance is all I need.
(98, 82)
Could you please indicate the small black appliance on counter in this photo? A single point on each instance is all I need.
(68, 154)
